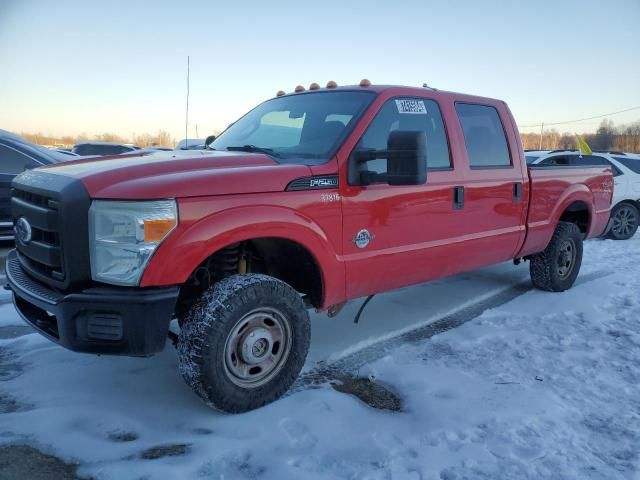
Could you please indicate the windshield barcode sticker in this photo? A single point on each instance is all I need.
(411, 106)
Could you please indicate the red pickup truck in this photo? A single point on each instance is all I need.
(311, 199)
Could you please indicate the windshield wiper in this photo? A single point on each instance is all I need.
(252, 148)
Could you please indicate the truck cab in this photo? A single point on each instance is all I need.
(311, 199)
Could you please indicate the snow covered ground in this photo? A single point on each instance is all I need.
(544, 386)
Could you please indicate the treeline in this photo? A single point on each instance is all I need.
(161, 138)
(624, 138)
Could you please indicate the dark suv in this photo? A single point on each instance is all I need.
(16, 156)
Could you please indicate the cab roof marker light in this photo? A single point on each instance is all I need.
(331, 84)
(299, 89)
(280, 93)
(314, 86)
(365, 82)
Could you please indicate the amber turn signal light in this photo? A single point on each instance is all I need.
(156, 230)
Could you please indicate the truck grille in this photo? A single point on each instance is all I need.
(54, 208)
(43, 254)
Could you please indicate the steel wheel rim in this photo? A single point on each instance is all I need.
(624, 221)
(566, 258)
(257, 347)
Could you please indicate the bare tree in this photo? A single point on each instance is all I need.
(604, 137)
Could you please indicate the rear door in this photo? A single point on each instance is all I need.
(12, 162)
(400, 235)
(496, 183)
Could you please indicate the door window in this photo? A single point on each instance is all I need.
(415, 114)
(13, 162)
(484, 136)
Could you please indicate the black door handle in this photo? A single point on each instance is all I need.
(458, 198)
(517, 192)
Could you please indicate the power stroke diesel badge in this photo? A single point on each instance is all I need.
(363, 238)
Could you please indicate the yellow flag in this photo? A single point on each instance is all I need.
(582, 146)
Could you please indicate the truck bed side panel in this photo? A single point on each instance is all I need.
(554, 189)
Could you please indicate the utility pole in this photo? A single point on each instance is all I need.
(541, 130)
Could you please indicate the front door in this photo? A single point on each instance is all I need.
(398, 235)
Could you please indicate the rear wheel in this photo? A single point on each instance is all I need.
(624, 222)
(557, 267)
(244, 342)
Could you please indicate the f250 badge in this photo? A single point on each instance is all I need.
(323, 182)
(363, 238)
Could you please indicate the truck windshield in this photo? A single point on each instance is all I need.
(299, 128)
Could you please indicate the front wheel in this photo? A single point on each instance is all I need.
(624, 222)
(557, 267)
(244, 342)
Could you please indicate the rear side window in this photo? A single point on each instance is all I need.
(13, 162)
(101, 149)
(416, 114)
(632, 164)
(558, 160)
(595, 160)
(483, 135)
(591, 161)
(84, 150)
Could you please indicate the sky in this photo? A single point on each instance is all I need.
(75, 66)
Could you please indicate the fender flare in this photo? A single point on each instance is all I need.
(575, 193)
(187, 247)
(540, 231)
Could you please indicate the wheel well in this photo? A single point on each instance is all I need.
(280, 258)
(578, 213)
(635, 203)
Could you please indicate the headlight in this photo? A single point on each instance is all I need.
(124, 235)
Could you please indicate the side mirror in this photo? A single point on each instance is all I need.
(209, 140)
(407, 157)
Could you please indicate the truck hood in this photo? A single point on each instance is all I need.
(180, 174)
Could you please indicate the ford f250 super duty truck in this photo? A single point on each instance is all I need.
(311, 199)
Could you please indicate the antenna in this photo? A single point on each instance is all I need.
(186, 120)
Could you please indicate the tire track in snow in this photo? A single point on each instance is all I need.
(325, 372)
